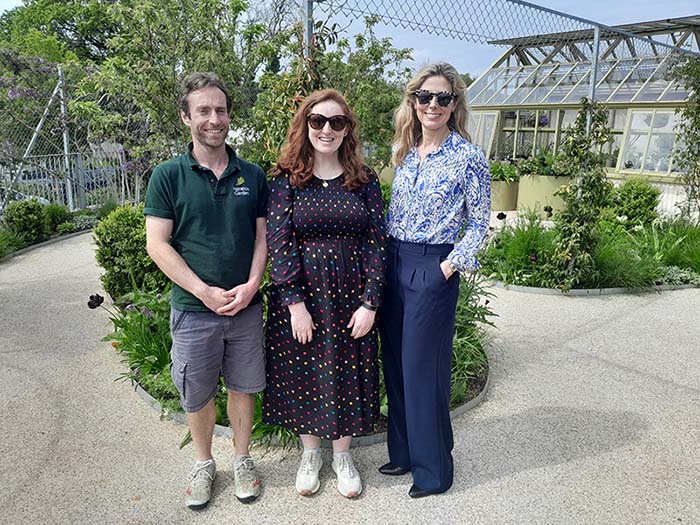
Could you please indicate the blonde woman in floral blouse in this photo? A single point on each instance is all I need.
(437, 220)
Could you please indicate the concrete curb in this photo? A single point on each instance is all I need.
(360, 441)
(589, 291)
(42, 244)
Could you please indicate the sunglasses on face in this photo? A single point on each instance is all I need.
(444, 98)
(337, 122)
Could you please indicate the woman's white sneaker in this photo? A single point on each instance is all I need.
(349, 483)
(307, 476)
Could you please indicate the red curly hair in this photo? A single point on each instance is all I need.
(297, 155)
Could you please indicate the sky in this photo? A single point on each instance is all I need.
(474, 59)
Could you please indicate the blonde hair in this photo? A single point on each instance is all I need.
(406, 124)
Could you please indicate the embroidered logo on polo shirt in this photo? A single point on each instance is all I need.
(241, 190)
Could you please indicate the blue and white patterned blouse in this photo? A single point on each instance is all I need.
(446, 195)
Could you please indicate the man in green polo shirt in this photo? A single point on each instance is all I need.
(205, 228)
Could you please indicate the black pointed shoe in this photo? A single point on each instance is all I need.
(417, 492)
(391, 469)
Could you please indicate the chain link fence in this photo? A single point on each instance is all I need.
(46, 154)
(533, 34)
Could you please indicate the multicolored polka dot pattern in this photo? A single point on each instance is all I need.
(327, 247)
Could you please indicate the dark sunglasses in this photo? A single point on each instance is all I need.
(337, 122)
(444, 98)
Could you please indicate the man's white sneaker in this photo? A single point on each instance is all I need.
(349, 483)
(307, 476)
(199, 484)
(245, 479)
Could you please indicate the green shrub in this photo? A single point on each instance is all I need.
(108, 207)
(85, 222)
(635, 200)
(121, 252)
(10, 242)
(55, 215)
(65, 227)
(25, 218)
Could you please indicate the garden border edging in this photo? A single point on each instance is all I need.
(52, 240)
(360, 441)
(579, 292)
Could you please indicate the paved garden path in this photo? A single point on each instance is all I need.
(593, 416)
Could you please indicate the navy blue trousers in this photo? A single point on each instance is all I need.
(416, 323)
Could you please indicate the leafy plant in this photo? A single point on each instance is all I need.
(503, 171)
(635, 200)
(53, 216)
(65, 227)
(521, 253)
(469, 360)
(121, 252)
(686, 71)
(25, 218)
(85, 222)
(584, 199)
(10, 242)
(142, 333)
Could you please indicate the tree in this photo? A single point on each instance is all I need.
(370, 74)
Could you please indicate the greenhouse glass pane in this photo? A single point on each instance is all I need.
(505, 145)
(510, 87)
(620, 119)
(634, 151)
(614, 149)
(481, 84)
(674, 94)
(488, 121)
(569, 81)
(524, 143)
(664, 121)
(474, 120)
(554, 76)
(568, 118)
(545, 118)
(538, 73)
(545, 140)
(581, 90)
(659, 153)
(641, 120)
(499, 77)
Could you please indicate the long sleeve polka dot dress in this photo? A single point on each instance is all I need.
(327, 248)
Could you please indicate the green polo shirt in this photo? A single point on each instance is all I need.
(213, 220)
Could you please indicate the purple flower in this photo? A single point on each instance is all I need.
(129, 307)
(159, 296)
(145, 311)
(501, 216)
(533, 257)
(12, 94)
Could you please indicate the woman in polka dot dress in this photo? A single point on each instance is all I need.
(326, 238)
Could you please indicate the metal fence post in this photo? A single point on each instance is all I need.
(68, 182)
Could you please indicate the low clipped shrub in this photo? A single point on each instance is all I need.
(121, 252)
(635, 201)
(55, 215)
(25, 218)
(65, 227)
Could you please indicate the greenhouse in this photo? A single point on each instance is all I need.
(522, 104)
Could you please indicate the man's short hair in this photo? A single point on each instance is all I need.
(200, 80)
